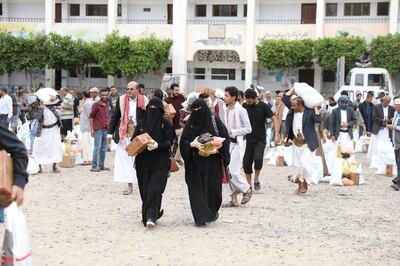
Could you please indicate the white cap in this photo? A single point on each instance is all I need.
(397, 101)
(94, 89)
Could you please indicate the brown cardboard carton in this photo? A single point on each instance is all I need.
(355, 177)
(280, 161)
(68, 160)
(138, 144)
(6, 178)
(170, 111)
(389, 170)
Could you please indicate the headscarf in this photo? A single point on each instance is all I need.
(343, 102)
(154, 118)
(201, 120)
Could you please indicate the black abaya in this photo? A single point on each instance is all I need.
(152, 166)
(203, 175)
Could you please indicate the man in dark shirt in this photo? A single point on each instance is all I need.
(176, 99)
(366, 109)
(99, 122)
(12, 145)
(258, 112)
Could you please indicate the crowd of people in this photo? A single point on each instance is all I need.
(247, 122)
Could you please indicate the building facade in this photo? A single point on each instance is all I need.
(214, 41)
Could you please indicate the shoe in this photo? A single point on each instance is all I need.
(180, 162)
(247, 196)
(102, 168)
(257, 186)
(95, 169)
(395, 187)
(55, 170)
(150, 224)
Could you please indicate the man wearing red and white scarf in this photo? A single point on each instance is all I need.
(129, 107)
(238, 125)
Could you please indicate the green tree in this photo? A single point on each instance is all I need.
(285, 54)
(119, 55)
(8, 53)
(32, 54)
(328, 50)
(385, 52)
(72, 55)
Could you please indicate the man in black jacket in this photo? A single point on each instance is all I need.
(366, 109)
(12, 145)
(342, 122)
(300, 124)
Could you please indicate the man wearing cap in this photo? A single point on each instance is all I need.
(395, 126)
(342, 121)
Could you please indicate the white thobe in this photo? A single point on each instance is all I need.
(303, 157)
(381, 137)
(47, 148)
(237, 120)
(124, 165)
(344, 138)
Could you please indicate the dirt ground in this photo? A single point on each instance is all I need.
(81, 218)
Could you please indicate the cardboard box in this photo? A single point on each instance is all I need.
(355, 177)
(68, 160)
(6, 178)
(280, 161)
(389, 170)
(138, 144)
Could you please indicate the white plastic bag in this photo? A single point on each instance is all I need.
(311, 96)
(318, 170)
(288, 155)
(23, 131)
(337, 172)
(274, 154)
(33, 166)
(16, 246)
(360, 143)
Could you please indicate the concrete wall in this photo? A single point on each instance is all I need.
(158, 12)
(279, 11)
(26, 9)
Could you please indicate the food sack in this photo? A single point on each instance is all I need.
(312, 98)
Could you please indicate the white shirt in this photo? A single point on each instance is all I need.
(285, 112)
(298, 123)
(48, 117)
(385, 112)
(132, 110)
(6, 106)
(343, 117)
(237, 120)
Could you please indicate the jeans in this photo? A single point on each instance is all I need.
(1, 215)
(100, 148)
(360, 131)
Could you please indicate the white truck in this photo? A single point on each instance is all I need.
(364, 80)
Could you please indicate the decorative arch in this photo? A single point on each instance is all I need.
(214, 55)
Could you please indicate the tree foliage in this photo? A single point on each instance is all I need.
(119, 55)
(386, 52)
(8, 53)
(285, 54)
(328, 50)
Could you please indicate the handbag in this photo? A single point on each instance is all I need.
(173, 165)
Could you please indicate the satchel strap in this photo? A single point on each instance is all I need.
(214, 122)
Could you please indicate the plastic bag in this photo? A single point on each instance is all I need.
(274, 154)
(311, 96)
(23, 131)
(16, 245)
(336, 174)
(359, 144)
(33, 166)
(318, 170)
(288, 155)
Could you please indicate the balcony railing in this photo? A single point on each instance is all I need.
(3, 19)
(85, 20)
(142, 21)
(279, 21)
(217, 22)
(355, 20)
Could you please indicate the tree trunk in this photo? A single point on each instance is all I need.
(30, 80)
(26, 79)
(89, 77)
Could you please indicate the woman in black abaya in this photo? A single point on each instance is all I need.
(152, 165)
(204, 175)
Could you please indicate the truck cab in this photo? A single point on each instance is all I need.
(364, 80)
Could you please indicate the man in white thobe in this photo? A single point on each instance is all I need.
(129, 108)
(238, 125)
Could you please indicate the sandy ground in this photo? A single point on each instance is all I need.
(81, 218)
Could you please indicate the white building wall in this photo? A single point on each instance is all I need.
(158, 12)
(26, 10)
(280, 11)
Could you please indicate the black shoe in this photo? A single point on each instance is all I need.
(102, 168)
(56, 171)
(257, 186)
(395, 187)
(95, 169)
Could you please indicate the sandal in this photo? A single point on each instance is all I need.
(127, 191)
(303, 188)
(247, 196)
(230, 205)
